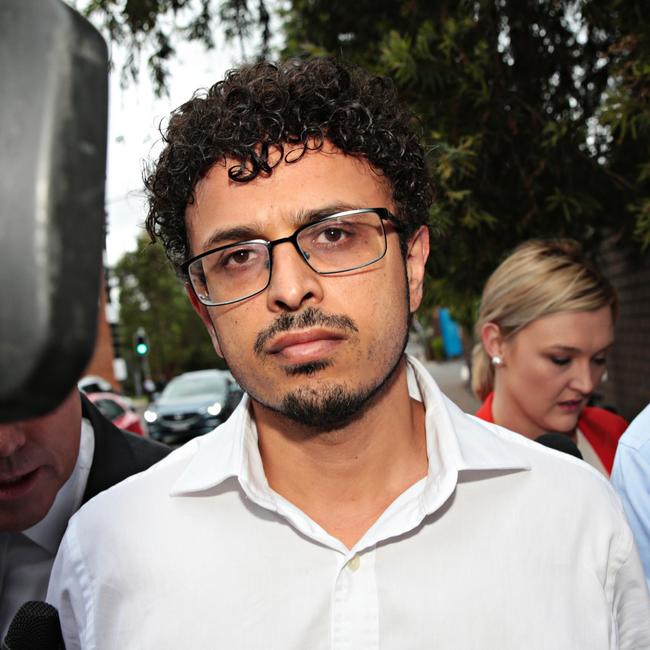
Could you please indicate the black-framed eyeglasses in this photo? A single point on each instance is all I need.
(342, 242)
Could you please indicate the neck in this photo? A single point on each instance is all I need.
(506, 413)
(344, 479)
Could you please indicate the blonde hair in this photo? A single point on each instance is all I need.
(541, 277)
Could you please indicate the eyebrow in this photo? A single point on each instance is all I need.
(225, 236)
(571, 350)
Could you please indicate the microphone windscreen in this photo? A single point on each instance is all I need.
(54, 103)
(561, 442)
(35, 625)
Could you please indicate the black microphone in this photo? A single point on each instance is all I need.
(35, 626)
(561, 442)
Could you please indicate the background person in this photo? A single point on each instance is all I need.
(49, 467)
(545, 325)
(631, 479)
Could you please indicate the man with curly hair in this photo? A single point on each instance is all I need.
(346, 504)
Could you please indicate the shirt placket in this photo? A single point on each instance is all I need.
(355, 607)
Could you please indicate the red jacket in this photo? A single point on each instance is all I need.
(600, 427)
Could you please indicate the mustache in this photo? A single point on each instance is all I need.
(311, 317)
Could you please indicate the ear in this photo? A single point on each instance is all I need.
(492, 340)
(416, 258)
(204, 315)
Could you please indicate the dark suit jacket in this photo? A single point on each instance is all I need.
(118, 454)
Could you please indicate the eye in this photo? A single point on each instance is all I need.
(333, 234)
(247, 257)
(600, 361)
(330, 234)
(233, 258)
(560, 361)
(240, 256)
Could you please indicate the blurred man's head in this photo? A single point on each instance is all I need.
(37, 457)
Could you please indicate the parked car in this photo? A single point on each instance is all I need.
(94, 384)
(119, 411)
(192, 404)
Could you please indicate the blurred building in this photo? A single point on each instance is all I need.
(628, 366)
(106, 358)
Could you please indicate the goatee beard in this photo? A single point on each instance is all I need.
(331, 406)
(328, 405)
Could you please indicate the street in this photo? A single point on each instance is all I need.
(448, 377)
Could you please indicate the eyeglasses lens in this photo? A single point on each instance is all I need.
(334, 245)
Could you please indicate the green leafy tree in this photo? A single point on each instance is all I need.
(154, 27)
(625, 110)
(534, 115)
(152, 297)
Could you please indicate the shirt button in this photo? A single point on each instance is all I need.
(354, 563)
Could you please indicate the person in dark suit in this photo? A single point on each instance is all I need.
(49, 467)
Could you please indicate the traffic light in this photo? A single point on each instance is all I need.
(141, 343)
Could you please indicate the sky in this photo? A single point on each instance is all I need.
(134, 117)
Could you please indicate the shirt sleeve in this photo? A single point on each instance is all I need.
(631, 604)
(631, 479)
(69, 592)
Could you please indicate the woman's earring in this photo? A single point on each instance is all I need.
(496, 361)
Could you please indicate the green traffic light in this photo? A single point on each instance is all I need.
(141, 349)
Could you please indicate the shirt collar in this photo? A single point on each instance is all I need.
(230, 451)
(48, 532)
(457, 443)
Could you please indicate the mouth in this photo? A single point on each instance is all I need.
(302, 347)
(17, 486)
(572, 405)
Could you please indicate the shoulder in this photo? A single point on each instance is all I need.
(613, 423)
(147, 510)
(200, 466)
(552, 475)
(637, 436)
(544, 495)
(145, 492)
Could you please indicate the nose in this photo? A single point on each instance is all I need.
(293, 283)
(12, 438)
(584, 378)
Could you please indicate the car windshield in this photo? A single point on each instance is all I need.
(195, 385)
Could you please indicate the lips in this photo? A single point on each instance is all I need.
(13, 487)
(305, 346)
(571, 405)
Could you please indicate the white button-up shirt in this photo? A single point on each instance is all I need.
(505, 545)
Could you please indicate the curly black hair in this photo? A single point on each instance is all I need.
(259, 108)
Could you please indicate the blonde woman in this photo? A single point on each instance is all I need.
(545, 326)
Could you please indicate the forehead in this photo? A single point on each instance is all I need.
(583, 330)
(270, 204)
